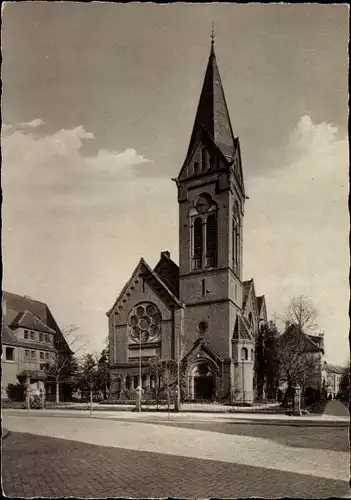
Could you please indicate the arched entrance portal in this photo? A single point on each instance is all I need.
(202, 381)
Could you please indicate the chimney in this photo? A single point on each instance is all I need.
(166, 254)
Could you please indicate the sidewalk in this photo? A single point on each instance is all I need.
(247, 418)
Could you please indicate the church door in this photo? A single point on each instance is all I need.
(204, 387)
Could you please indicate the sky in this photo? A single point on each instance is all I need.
(97, 110)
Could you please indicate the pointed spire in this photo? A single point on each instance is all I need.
(212, 112)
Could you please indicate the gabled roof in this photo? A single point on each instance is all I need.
(259, 302)
(200, 344)
(246, 290)
(311, 345)
(28, 320)
(335, 369)
(249, 289)
(242, 330)
(8, 337)
(212, 111)
(144, 268)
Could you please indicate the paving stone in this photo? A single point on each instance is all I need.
(47, 467)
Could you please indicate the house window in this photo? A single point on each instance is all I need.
(46, 355)
(252, 354)
(47, 339)
(26, 334)
(26, 353)
(135, 381)
(10, 354)
(211, 241)
(41, 337)
(41, 355)
(33, 354)
(143, 381)
(43, 366)
(152, 381)
(128, 382)
(198, 237)
(32, 335)
(244, 354)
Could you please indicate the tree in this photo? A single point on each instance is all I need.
(344, 387)
(267, 361)
(164, 373)
(88, 378)
(298, 359)
(302, 314)
(103, 377)
(64, 366)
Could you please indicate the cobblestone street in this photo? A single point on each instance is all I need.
(134, 462)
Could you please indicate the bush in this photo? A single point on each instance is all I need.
(36, 403)
(16, 392)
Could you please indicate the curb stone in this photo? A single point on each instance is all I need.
(4, 433)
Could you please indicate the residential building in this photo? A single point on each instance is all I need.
(201, 311)
(29, 337)
(332, 376)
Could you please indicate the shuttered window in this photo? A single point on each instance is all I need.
(211, 241)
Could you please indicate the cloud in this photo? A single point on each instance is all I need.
(296, 228)
(75, 226)
(37, 122)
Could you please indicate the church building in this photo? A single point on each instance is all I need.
(201, 311)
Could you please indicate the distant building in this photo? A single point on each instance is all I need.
(332, 376)
(204, 301)
(29, 336)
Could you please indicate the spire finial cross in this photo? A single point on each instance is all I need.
(213, 34)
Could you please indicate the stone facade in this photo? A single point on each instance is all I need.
(201, 313)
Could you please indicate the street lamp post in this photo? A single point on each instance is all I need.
(179, 348)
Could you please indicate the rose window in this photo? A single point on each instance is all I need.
(144, 323)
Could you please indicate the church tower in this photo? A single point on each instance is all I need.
(211, 197)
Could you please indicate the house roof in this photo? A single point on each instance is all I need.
(17, 304)
(335, 369)
(8, 337)
(28, 320)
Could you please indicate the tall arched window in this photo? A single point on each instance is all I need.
(211, 241)
(236, 238)
(198, 243)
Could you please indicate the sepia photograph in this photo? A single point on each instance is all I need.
(175, 250)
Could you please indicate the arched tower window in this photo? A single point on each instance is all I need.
(211, 241)
(198, 243)
(250, 319)
(196, 167)
(244, 354)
